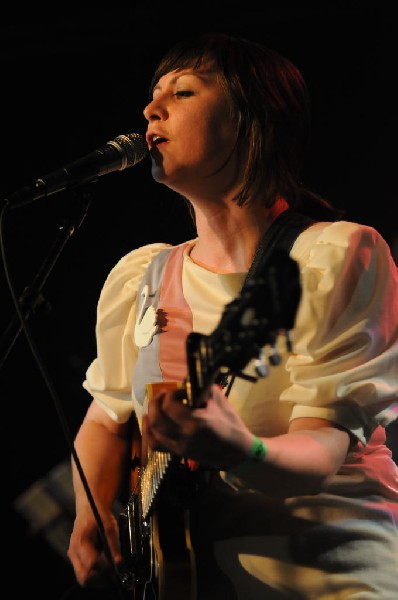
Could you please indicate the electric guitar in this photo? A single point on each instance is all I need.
(154, 526)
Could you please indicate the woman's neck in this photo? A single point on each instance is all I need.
(228, 236)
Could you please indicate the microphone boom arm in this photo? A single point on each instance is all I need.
(124, 151)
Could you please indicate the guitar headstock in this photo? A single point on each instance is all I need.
(266, 306)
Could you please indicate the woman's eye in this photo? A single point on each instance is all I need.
(183, 93)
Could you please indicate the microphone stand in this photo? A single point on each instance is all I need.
(29, 303)
(32, 300)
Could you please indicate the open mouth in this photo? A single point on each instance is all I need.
(156, 140)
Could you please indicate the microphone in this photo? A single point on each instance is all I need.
(121, 153)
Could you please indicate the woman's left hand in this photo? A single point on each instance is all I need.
(214, 435)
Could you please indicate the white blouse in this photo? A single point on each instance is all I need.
(345, 362)
(344, 367)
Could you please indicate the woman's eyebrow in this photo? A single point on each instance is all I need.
(202, 74)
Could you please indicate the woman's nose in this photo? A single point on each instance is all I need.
(153, 111)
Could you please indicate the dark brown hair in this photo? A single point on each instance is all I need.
(271, 99)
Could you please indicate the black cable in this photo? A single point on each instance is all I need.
(57, 402)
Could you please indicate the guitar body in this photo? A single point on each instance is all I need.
(159, 559)
(172, 550)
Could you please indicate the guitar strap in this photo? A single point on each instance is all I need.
(281, 235)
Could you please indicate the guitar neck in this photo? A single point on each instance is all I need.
(154, 463)
(151, 478)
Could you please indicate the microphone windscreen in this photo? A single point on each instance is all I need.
(132, 147)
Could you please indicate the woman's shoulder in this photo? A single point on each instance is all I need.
(124, 277)
(338, 231)
(139, 258)
(341, 238)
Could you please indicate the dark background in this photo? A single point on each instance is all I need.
(73, 79)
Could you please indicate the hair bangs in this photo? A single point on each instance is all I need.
(193, 54)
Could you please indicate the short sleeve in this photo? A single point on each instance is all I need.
(109, 376)
(345, 362)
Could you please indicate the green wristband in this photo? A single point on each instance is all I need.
(256, 455)
(257, 451)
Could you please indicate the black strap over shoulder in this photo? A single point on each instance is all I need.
(281, 234)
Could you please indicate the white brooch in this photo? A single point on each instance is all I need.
(146, 323)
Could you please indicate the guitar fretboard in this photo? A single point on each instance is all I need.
(151, 478)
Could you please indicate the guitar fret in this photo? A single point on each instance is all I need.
(151, 478)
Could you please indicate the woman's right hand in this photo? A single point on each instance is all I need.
(86, 553)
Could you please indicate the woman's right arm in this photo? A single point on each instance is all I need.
(103, 448)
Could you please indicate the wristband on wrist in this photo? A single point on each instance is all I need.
(256, 454)
(258, 450)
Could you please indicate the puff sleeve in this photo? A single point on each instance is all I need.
(345, 365)
(109, 376)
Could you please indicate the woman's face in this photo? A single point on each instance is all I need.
(191, 132)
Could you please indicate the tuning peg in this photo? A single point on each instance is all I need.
(274, 356)
(260, 365)
(289, 341)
